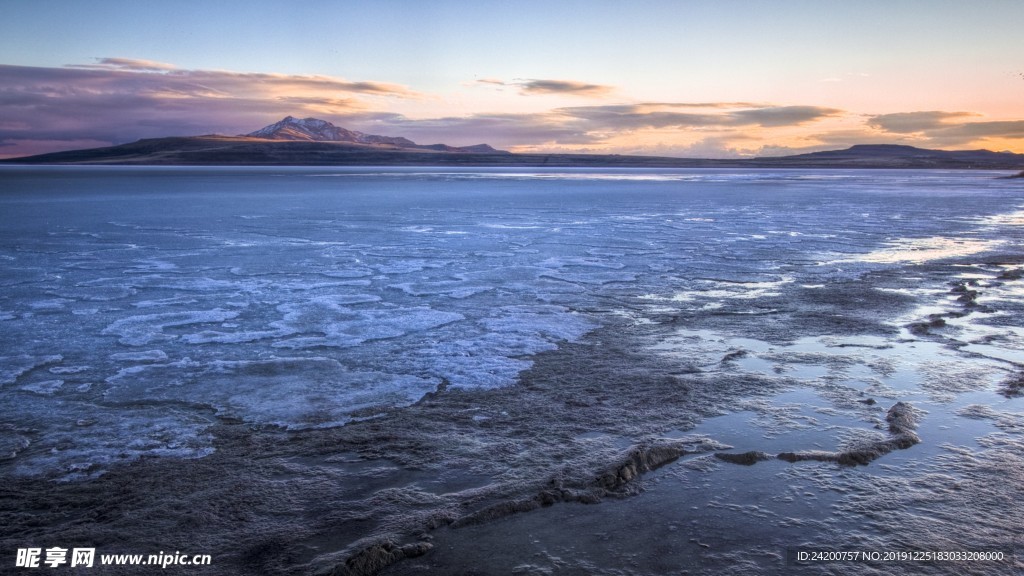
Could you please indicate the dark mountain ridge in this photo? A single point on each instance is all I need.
(313, 142)
(898, 153)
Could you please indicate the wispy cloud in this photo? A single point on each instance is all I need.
(847, 76)
(974, 132)
(943, 129)
(910, 122)
(534, 87)
(777, 116)
(598, 127)
(564, 87)
(499, 130)
(126, 64)
(715, 105)
(661, 115)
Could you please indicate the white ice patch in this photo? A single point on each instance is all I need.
(552, 322)
(238, 337)
(46, 387)
(291, 392)
(717, 291)
(495, 358)
(201, 285)
(408, 266)
(451, 289)
(473, 364)
(147, 356)
(346, 273)
(920, 250)
(69, 369)
(153, 265)
(337, 325)
(97, 293)
(598, 278)
(52, 305)
(12, 367)
(1015, 218)
(162, 302)
(142, 330)
(581, 262)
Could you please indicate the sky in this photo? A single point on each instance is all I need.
(716, 79)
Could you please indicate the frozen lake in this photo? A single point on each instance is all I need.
(140, 306)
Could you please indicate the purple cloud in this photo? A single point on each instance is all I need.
(911, 122)
(641, 116)
(117, 100)
(569, 87)
(498, 130)
(942, 129)
(127, 64)
(120, 100)
(533, 87)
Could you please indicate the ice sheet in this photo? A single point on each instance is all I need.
(305, 302)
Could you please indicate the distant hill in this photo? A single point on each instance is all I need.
(898, 156)
(314, 142)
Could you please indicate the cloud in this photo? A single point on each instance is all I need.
(117, 100)
(777, 116)
(996, 129)
(725, 145)
(499, 130)
(946, 129)
(719, 105)
(569, 87)
(147, 74)
(660, 115)
(533, 87)
(601, 127)
(493, 81)
(120, 100)
(28, 147)
(911, 122)
(127, 64)
(976, 133)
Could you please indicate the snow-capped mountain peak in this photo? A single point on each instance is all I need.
(316, 130)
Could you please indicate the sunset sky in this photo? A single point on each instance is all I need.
(678, 78)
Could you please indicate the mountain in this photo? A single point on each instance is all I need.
(316, 130)
(314, 142)
(901, 156)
